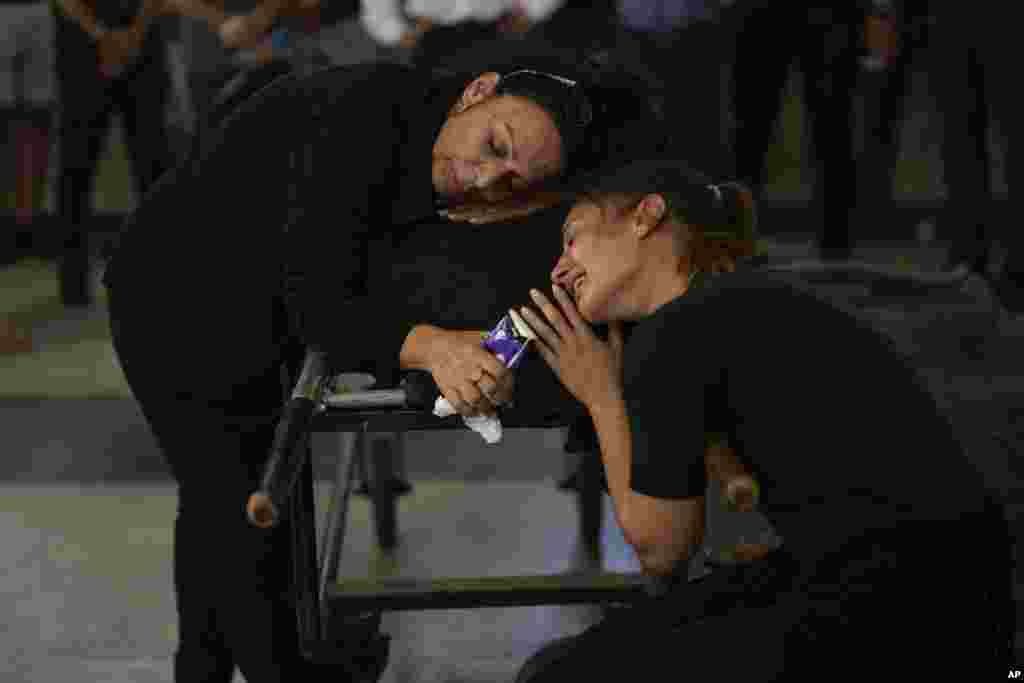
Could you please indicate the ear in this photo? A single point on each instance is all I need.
(482, 87)
(649, 214)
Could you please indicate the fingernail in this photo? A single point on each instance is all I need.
(534, 293)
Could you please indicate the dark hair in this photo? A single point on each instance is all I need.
(563, 98)
(614, 111)
(721, 218)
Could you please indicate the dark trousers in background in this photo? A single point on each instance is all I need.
(231, 579)
(769, 38)
(690, 61)
(88, 102)
(973, 78)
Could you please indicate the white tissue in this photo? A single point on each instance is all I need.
(487, 427)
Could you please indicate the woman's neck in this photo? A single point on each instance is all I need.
(665, 286)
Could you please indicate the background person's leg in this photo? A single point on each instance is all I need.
(34, 85)
(205, 58)
(829, 61)
(142, 100)
(1005, 104)
(764, 53)
(85, 117)
(957, 79)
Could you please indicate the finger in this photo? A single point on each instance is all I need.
(489, 388)
(471, 398)
(549, 355)
(489, 363)
(554, 316)
(477, 402)
(547, 336)
(570, 310)
(505, 389)
(455, 400)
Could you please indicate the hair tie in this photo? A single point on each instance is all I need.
(718, 193)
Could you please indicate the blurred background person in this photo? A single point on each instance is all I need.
(434, 32)
(27, 98)
(26, 111)
(895, 35)
(110, 57)
(824, 39)
(972, 75)
(684, 43)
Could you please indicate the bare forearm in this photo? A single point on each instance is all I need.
(268, 11)
(212, 13)
(81, 13)
(611, 422)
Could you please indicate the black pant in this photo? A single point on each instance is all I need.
(231, 580)
(770, 37)
(689, 62)
(884, 603)
(87, 104)
(974, 77)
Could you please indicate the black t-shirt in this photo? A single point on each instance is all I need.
(833, 421)
(279, 227)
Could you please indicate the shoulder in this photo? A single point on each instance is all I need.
(368, 84)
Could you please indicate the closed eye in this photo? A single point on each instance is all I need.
(498, 151)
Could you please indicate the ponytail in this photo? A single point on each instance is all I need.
(730, 236)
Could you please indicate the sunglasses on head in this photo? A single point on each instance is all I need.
(586, 112)
(543, 74)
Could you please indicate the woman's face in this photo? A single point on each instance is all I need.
(600, 258)
(492, 147)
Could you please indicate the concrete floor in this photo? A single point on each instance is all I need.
(86, 508)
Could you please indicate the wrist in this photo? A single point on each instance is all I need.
(608, 400)
(215, 18)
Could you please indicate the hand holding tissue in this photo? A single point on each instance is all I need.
(508, 341)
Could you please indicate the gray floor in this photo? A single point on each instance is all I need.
(86, 510)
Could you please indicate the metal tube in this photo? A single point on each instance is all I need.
(336, 522)
(374, 398)
(287, 454)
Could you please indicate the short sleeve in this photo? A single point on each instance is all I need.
(668, 372)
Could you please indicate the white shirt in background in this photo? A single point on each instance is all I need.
(385, 21)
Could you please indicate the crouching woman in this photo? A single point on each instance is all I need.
(860, 473)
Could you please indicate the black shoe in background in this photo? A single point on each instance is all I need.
(1009, 290)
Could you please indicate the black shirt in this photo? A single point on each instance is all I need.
(838, 428)
(282, 225)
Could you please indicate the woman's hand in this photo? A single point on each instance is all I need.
(243, 31)
(479, 213)
(590, 369)
(473, 380)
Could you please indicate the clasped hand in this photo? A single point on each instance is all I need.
(473, 380)
(589, 368)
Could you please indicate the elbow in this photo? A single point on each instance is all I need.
(658, 556)
(661, 561)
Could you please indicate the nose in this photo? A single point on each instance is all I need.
(493, 173)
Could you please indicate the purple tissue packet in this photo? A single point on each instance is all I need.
(509, 339)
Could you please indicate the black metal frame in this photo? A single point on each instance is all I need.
(339, 623)
(341, 626)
